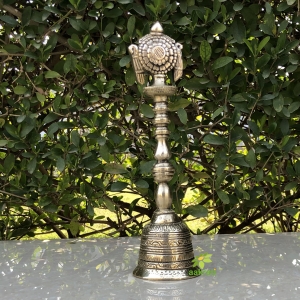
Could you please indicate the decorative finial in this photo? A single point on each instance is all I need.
(157, 54)
(157, 28)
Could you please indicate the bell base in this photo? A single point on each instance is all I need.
(167, 275)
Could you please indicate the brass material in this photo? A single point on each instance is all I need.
(166, 251)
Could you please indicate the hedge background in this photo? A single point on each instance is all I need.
(76, 131)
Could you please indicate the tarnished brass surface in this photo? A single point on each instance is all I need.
(166, 251)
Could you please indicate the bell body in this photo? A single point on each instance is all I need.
(166, 251)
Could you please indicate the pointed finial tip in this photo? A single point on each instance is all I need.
(157, 28)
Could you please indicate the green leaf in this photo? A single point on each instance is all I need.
(3, 143)
(60, 164)
(75, 44)
(75, 138)
(31, 166)
(221, 62)
(70, 63)
(285, 127)
(251, 158)
(142, 184)
(198, 211)
(217, 112)
(130, 76)
(259, 175)
(9, 163)
(234, 73)
(291, 211)
(184, 21)
(26, 128)
(182, 115)
(297, 167)
(50, 118)
(40, 97)
(236, 116)
(291, 185)
(214, 139)
(201, 265)
(238, 6)
(74, 227)
(254, 128)
(238, 98)
(30, 54)
(131, 25)
(12, 130)
(104, 152)
(91, 161)
(146, 167)
(239, 161)
(9, 20)
(182, 6)
(45, 201)
(291, 68)
(118, 186)
(132, 107)
(290, 145)
(125, 1)
(109, 204)
(51, 74)
(114, 168)
(75, 24)
(293, 107)
(20, 90)
(205, 51)
(181, 103)
(66, 199)
(263, 43)
(217, 28)
(266, 29)
(291, 45)
(238, 30)
(223, 196)
(139, 9)
(52, 208)
(147, 111)
(263, 60)
(26, 15)
(278, 103)
(124, 61)
(282, 6)
(53, 10)
(285, 140)
(249, 46)
(11, 48)
(296, 89)
(193, 83)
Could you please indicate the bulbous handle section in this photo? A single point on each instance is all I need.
(163, 197)
(162, 151)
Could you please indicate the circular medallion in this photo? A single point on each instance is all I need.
(157, 53)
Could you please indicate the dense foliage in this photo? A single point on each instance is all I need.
(76, 129)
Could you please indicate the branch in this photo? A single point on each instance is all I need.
(38, 211)
(11, 10)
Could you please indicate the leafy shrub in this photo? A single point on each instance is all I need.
(75, 126)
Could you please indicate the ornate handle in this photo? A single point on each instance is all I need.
(156, 55)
